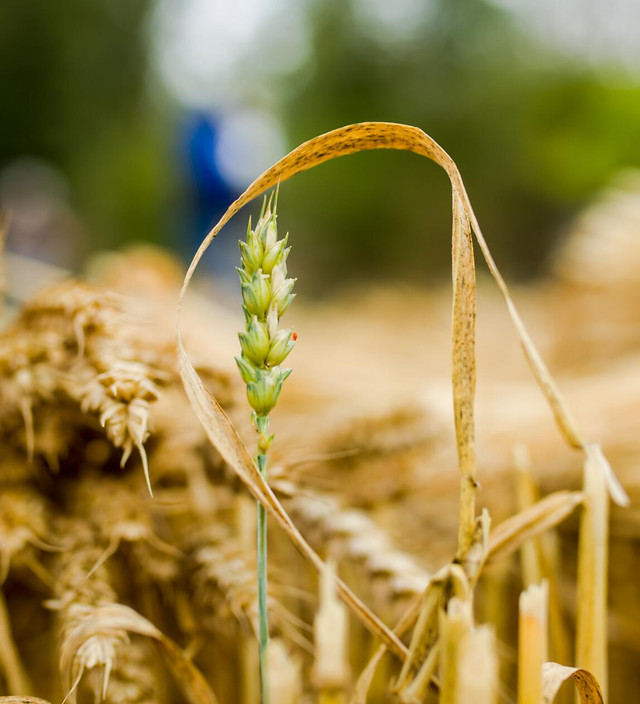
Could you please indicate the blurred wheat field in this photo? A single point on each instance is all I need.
(110, 593)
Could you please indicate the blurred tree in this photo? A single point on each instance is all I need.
(75, 86)
(533, 135)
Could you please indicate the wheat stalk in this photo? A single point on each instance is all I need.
(266, 295)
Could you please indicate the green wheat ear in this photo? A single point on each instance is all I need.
(266, 295)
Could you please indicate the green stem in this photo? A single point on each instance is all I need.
(263, 618)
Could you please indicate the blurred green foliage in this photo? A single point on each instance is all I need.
(74, 79)
(534, 134)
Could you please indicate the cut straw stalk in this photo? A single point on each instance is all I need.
(532, 643)
(331, 667)
(455, 626)
(527, 495)
(477, 676)
(540, 560)
(285, 684)
(593, 554)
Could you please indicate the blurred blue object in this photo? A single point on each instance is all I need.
(210, 193)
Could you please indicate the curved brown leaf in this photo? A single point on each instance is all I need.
(554, 675)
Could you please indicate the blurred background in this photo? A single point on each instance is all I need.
(142, 120)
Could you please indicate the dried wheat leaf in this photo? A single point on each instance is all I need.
(425, 633)
(23, 700)
(359, 694)
(451, 580)
(615, 489)
(532, 521)
(425, 677)
(554, 675)
(363, 684)
(116, 617)
(563, 416)
(464, 368)
(340, 142)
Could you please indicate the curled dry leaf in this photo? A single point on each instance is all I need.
(554, 675)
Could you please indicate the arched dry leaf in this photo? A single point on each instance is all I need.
(554, 675)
